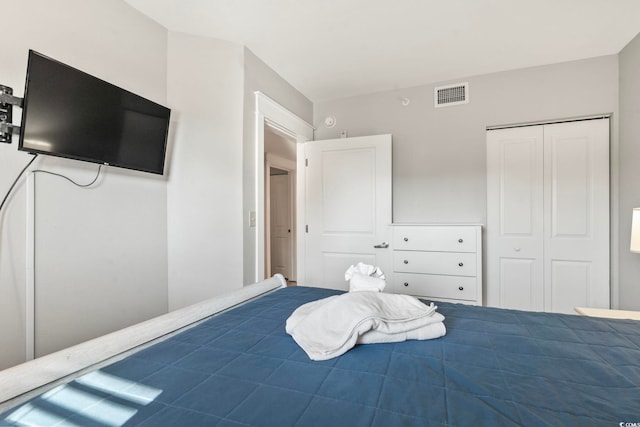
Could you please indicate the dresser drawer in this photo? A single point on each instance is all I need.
(434, 286)
(449, 263)
(434, 238)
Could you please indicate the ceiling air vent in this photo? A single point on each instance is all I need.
(455, 94)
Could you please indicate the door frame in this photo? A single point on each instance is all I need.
(270, 113)
(272, 160)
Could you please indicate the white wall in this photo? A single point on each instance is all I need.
(136, 244)
(439, 159)
(439, 154)
(629, 171)
(205, 91)
(259, 77)
(101, 253)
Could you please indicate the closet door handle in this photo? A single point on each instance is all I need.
(382, 245)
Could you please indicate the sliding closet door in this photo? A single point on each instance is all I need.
(548, 216)
(515, 218)
(576, 195)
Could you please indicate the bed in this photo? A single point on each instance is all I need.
(494, 367)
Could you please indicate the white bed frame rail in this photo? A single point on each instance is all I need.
(59, 367)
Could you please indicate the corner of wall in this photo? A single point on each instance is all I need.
(629, 155)
(260, 77)
(205, 87)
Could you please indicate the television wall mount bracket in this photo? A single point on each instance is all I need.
(7, 101)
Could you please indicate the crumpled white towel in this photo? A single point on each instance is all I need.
(362, 268)
(365, 277)
(331, 326)
(360, 282)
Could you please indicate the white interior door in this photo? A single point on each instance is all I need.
(348, 208)
(576, 194)
(280, 217)
(548, 216)
(515, 218)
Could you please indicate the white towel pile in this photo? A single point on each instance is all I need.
(365, 277)
(331, 326)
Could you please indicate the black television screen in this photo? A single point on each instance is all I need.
(69, 113)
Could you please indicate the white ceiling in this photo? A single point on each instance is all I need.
(337, 48)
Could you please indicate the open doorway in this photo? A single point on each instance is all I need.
(280, 204)
(273, 115)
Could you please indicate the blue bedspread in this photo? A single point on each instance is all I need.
(494, 367)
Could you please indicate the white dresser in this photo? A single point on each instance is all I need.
(438, 262)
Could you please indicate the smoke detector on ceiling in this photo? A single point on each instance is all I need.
(455, 94)
(329, 121)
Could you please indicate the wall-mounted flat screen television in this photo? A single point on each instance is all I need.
(72, 114)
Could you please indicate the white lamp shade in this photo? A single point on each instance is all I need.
(635, 231)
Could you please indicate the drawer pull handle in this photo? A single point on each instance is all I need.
(406, 261)
(460, 240)
(406, 283)
(460, 264)
(460, 288)
(406, 239)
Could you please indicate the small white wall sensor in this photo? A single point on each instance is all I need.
(329, 121)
